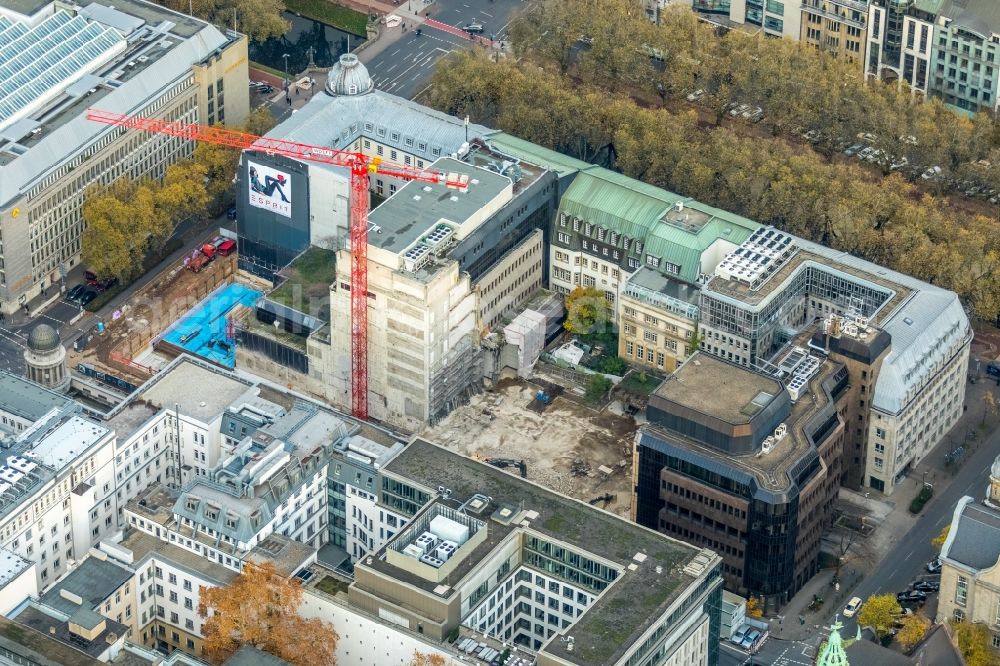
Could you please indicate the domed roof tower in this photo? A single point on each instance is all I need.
(45, 359)
(349, 77)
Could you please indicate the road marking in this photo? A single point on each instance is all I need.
(486, 14)
(908, 556)
(396, 51)
(391, 68)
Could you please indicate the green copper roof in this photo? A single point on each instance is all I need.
(530, 152)
(646, 213)
(832, 653)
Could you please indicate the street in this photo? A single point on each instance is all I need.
(908, 559)
(405, 67)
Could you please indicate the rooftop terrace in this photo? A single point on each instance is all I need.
(625, 609)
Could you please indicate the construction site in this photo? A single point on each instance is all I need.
(563, 445)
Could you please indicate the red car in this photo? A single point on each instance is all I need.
(226, 247)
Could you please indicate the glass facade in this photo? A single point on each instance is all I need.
(402, 497)
(568, 565)
(791, 306)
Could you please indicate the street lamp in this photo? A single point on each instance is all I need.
(285, 57)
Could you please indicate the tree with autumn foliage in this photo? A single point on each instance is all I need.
(754, 608)
(421, 659)
(260, 608)
(938, 541)
(587, 311)
(913, 630)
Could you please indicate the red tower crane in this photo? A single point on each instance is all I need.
(360, 165)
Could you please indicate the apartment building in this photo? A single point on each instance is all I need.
(609, 225)
(965, 57)
(745, 464)
(970, 583)
(775, 286)
(133, 58)
(659, 320)
(837, 26)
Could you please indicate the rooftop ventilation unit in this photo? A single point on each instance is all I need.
(445, 550)
(425, 542)
(431, 560)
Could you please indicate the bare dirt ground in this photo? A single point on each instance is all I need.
(557, 444)
(147, 313)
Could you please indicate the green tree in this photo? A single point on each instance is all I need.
(597, 387)
(879, 613)
(119, 220)
(258, 19)
(586, 311)
(913, 631)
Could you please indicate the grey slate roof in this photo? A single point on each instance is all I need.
(93, 581)
(337, 122)
(975, 540)
(979, 16)
(867, 653)
(26, 399)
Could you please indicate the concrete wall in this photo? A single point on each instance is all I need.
(364, 640)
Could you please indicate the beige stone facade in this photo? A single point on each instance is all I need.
(837, 26)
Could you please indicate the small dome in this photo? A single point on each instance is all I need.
(348, 77)
(43, 338)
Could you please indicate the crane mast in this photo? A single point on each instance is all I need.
(361, 166)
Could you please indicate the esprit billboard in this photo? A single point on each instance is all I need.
(270, 189)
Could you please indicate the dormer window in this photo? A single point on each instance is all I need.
(232, 521)
(192, 504)
(211, 512)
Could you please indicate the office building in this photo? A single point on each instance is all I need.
(57, 484)
(745, 464)
(911, 381)
(609, 225)
(900, 40)
(970, 583)
(965, 61)
(60, 60)
(659, 320)
(487, 552)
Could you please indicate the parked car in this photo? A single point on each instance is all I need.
(754, 115)
(853, 149)
(867, 137)
(912, 595)
(750, 639)
(934, 566)
(738, 109)
(696, 95)
(76, 292)
(899, 164)
(740, 635)
(852, 607)
(931, 173)
(927, 586)
(865, 154)
(87, 296)
(812, 136)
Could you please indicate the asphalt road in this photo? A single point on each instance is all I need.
(908, 559)
(772, 653)
(405, 68)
